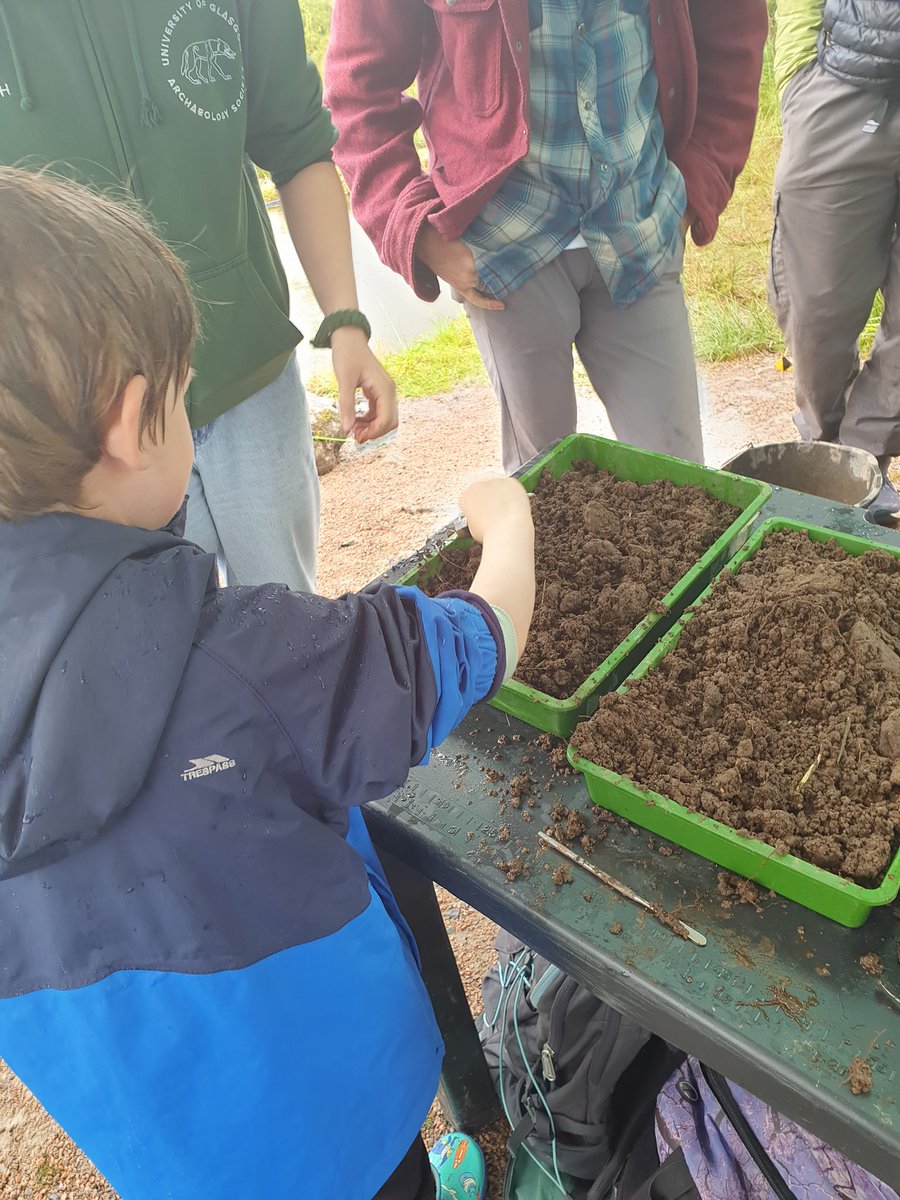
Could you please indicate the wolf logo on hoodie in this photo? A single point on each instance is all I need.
(200, 59)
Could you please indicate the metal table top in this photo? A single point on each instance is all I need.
(776, 1000)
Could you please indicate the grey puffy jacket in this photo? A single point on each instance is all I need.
(860, 43)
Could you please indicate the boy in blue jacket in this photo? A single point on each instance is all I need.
(204, 977)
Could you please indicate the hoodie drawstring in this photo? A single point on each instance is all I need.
(150, 114)
(25, 102)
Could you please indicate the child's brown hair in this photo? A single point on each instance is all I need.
(90, 297)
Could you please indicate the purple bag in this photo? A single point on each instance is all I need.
(728, 1137)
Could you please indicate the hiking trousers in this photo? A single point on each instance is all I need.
(639, 359)
(834, 244)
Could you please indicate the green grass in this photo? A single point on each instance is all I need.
(46, 1174)
(868, 334)
(725, 283)
(438, 362)
(316, 20)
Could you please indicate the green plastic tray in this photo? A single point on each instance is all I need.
(641, 466)
(839, 899)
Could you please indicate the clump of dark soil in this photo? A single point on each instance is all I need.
(734, 889)
(606, 553)
(516, 868)
(520, 785)
(872, 964)
(562, 875)
(575, 825)
(778, 713)
(569, 825)
(860, 1077)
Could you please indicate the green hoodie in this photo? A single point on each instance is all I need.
(797, 25)
(175, 100)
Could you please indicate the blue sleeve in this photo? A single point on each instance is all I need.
(363, 687)
(464, 651)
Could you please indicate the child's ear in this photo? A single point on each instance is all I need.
(122, 441)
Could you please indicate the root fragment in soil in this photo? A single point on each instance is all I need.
(778, 712)
(792, 1006)
(606, 552)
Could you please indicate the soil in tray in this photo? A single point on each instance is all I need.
(606, 552)
(778, 713)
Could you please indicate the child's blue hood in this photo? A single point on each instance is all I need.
(95, 633)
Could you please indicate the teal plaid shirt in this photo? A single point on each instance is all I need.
(596, 165)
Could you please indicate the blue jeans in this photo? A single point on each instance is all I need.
(254, 492)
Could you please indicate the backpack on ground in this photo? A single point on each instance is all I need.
(566, 1067)
(601, 1109)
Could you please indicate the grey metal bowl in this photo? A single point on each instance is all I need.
(840, 473)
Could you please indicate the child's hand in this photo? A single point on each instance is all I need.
(491, 503)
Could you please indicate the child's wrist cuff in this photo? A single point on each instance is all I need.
(510, 641)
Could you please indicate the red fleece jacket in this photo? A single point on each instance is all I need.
(469, 59)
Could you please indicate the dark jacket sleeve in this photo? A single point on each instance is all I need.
(287, 126)
(362, 687)
(729, 39)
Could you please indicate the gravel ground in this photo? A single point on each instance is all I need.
(378, 507)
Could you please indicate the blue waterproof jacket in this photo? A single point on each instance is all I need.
(203, 975)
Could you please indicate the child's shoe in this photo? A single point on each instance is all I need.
(458, 1168)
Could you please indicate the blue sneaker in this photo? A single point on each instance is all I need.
(458, 1168)
(885, 508)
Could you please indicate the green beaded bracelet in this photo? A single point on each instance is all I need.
(341, 319)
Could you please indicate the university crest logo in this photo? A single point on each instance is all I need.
(200, 51)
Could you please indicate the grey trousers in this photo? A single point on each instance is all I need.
(834, 245)
(640, 360)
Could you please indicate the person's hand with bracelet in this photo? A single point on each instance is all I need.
(355, 366)
(316, 213)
